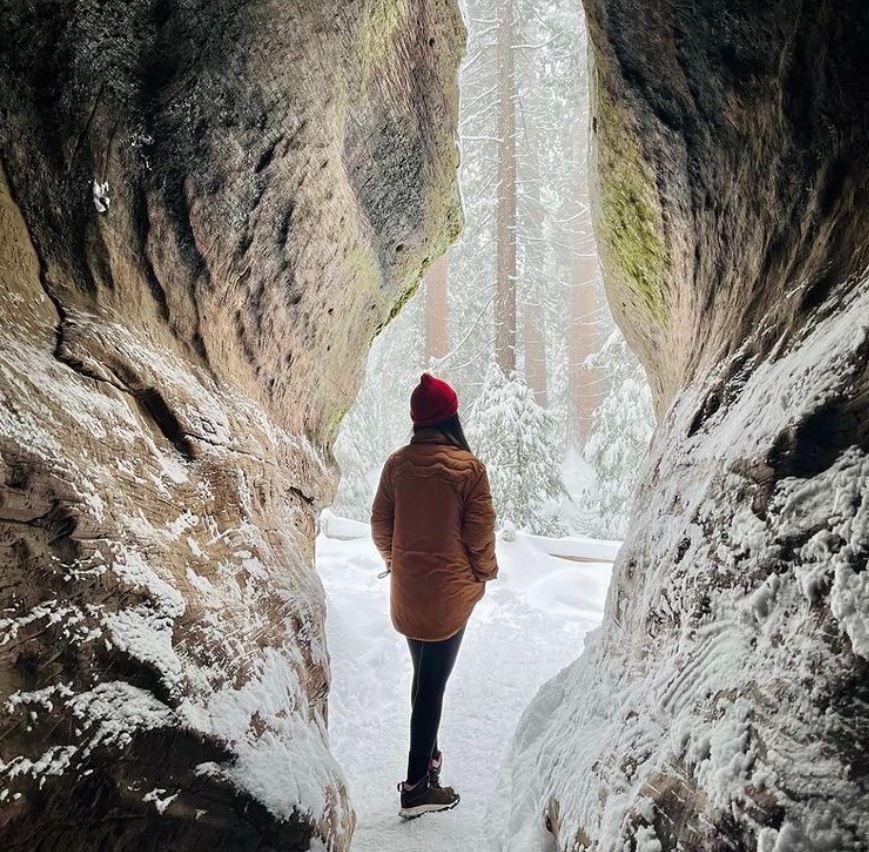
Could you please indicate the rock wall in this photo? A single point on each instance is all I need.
(724, 703)
(207, 211)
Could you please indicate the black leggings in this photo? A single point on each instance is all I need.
(432, 664)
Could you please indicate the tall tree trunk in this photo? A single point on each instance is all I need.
(584, 383)
(532, 266)
(436, 309)
(505, 300)
(535, 351)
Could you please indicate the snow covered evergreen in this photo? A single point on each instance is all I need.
(516, 439)
(619, 443)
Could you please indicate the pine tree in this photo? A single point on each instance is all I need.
(622, 428)
(516, 439)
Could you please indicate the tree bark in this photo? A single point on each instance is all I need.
(535, 352)
(437, 310)
(505, 299)
(532, 271)
(584, 383)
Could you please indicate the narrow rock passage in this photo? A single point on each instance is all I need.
(529, 625)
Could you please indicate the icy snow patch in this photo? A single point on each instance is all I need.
(100, 192)
(159, 798)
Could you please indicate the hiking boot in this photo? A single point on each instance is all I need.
(434, 769)
(422, 798)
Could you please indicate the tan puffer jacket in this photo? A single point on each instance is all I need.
(434, 524)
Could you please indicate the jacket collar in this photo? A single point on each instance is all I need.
(430, 436)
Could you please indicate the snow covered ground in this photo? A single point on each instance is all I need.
(530, 624)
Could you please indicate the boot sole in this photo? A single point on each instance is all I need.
(408, 814)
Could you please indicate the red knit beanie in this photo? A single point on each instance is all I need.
(432, 401)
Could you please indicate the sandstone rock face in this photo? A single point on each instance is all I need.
(207, 210)
(724, 704)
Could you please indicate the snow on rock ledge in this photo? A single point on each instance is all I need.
(173, 367)
(723, 703)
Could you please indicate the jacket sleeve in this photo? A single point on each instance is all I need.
(383, 514)
(478, 529)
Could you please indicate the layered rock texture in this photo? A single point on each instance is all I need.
(724, 704)
(207, 210)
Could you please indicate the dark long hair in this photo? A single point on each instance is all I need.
(452, 428)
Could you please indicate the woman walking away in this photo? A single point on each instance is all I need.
(434, 524)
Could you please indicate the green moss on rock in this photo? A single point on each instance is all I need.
(418, 261)
(403, 299)
(333, 424)
(379, 21)
(629, 219)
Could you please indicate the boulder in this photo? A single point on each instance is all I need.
(724, 703)
(207, 211)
